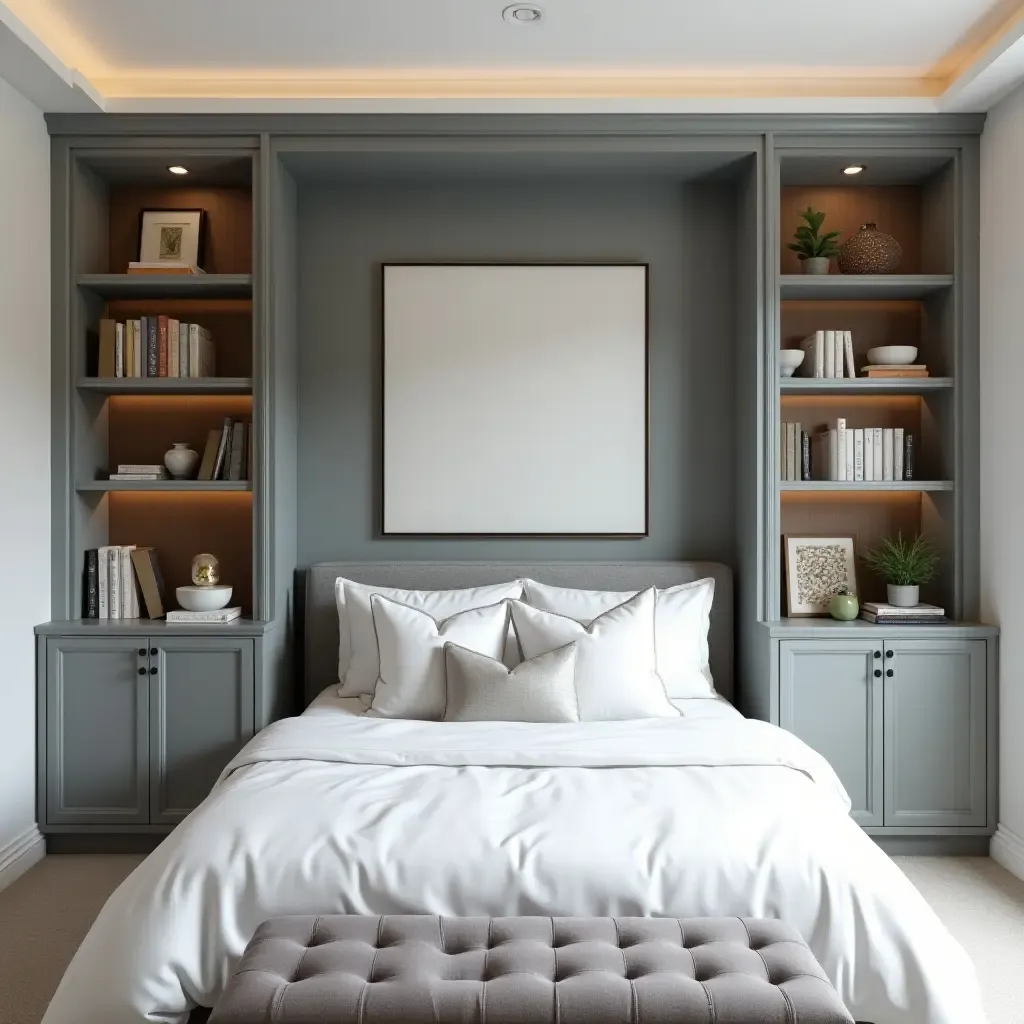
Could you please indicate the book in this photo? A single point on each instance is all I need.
(134, 467)
(103, 582)
(114, 582)
(137, 476)
(908, 455)
(221, 615)
(129, 349)
(238, 453)
(173, 338)
(833, 454)
(897, 453)
(129, 600)
(222, 450)
(884, 372)
(830, 354)
(137, 267)
(881, 608)
(161, 329)
(869, 453)
(840, 449)
(877, 455)
(903, 620)
(107, 354)
(150, 581)
(839, 340)
(209, 456)
(152, 347)
(887, 453)
(805, 456)
(139, 349)
(850, 470)
(119, 350)
(848, 348)
(91, 585)
(814, 360)
(858, 454)
(183, 350)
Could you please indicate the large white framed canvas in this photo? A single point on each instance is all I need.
(515, 399)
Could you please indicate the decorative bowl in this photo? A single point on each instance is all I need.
(789, 360)
(203, 599)
(892, 355)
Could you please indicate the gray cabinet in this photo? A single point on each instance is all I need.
(201, 701)
(97, 731)
(935, 732)
(831, 697)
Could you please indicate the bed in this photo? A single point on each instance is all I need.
(337, 812)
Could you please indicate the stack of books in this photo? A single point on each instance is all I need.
(864, 453)
(155, 346)
(122, 582)
(167, 267)
(891, 615)
(795, 458)
(139, 471)
(829, 355)
(228, 452)
(220, 615)
(878, 371)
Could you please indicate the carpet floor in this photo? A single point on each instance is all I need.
(46, 913)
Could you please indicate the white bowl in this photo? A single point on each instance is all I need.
(203, 599)
(789, 360)
(892, 355)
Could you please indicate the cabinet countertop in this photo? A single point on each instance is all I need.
(827, 628)
(111, 628)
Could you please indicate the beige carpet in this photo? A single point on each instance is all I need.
(45, 914)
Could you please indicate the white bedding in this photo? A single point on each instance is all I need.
(335, 812)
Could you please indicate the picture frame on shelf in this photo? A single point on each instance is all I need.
(174, 237)
(817, 568)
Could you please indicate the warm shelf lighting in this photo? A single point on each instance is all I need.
(854, 169)
(177, 169)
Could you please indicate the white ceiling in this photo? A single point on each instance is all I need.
(150, 54)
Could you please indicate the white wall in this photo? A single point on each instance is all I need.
(1002, 454)
(24, 460)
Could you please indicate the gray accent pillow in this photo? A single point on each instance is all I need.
(481, 689)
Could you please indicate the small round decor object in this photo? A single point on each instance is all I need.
(205, 570)
(789, 360)
(181, 460)
(892, 355)
(203, 599)
(844, 606)
(870, 251)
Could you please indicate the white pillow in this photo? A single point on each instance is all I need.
(616, 673)
(411, 643)
(682, 619)
(358, 664)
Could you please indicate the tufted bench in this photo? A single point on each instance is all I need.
(527, 970)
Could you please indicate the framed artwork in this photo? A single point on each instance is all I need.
(515, 400)
(171, 236)
(817, 568)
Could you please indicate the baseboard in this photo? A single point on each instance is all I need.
(1008, 849)
(22, 853)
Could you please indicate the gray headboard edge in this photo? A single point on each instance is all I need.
(319, 615)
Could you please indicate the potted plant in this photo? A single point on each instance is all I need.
(905, 566)
(813, 249)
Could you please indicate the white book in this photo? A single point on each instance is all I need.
(787, 453)
(839, 342)
(858, 454)
(840, 449)
(833, 454)
(138, 476)
(897, 453)
(137, 328)
(114, 582)
(119, 350)
(129, 602)
(183, 370)
(798, 454)
(869, 453)
(814, 359)
(221, 615)
(103, 581)
(193, 351)
(878, 454)
(830, 354)
(887, 453)
(140, 467)
(848, 345)
(851, 456)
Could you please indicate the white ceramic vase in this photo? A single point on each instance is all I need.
(815, 265)
(903, 597)
(180, 460)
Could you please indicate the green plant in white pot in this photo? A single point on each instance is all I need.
(813, 249)
(905, 566)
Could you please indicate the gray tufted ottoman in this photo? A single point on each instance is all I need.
(527, 970)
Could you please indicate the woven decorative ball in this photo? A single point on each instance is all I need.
(870, 251)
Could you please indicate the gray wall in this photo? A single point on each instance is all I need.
(685, 232)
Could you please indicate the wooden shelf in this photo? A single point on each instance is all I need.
(862, 286)
(166, 385)
(168, 286)
(165, 485)
(864, 385)
(862, 485)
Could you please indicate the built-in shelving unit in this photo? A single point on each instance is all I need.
(166, 385)
(170, 286)
(197, 486)
(812, 486)
(864, 386)
(869, 286)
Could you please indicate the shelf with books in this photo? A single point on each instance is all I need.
(864, 385)
(862, 286)
(865, 485)
(86, 486)
(166, 385)
(170, 286)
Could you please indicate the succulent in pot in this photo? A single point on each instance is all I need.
(844, 605)
(812, 248)
(905, 566)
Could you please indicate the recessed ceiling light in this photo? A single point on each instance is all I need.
(854, 169)
(522, 14)
(177, 169)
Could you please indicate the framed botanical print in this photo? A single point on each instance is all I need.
(171, 236)
(817, 568)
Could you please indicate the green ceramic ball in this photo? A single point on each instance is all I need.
(844, 607)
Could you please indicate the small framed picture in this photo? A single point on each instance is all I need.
(171, 236)
(817, 568)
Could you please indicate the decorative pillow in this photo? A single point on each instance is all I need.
(411, 643)
(358, 664)
(682, 618)
(616, 671)
(481, 689)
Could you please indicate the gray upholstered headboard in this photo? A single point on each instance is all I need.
(321, 616)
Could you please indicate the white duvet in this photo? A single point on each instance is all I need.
(337, 813)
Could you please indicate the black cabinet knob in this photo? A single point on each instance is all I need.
(888, 654)
(152, 671)
(142, 652)
(889, 672)
(878, 673)
(152, 651)
(878, 654)
(142, 671)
